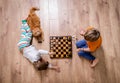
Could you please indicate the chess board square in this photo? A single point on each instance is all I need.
(62, 46)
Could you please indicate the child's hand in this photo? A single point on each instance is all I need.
(51, 53)
(57, 69)
(78, 49)
(54, 67)
(82, 32)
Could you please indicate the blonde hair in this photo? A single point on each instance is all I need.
(92, 35)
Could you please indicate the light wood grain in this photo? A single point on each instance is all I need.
(61, 17)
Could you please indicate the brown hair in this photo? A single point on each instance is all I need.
(41, 65)
(92, 35)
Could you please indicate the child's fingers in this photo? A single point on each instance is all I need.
(58, 69)
(51, 53)
(78, 50)
(82, 32)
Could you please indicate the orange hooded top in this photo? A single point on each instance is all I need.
(94, 45)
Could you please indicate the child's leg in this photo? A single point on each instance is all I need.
(81, 43)
(86, 55)
(23, 41)
(27, 33)
(26, 36)
(25, 28)
(90, 57)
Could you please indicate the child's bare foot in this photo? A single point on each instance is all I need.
(90, 61)
(94, 63)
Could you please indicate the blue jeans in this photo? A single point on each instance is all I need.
(83, 44)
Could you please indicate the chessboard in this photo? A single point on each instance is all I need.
(61, 46)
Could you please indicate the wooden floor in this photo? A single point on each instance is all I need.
(61, 17)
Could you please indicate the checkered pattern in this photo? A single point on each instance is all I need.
(62, 46)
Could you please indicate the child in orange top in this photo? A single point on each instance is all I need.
(92, 40)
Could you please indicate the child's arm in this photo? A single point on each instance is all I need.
(43, 52)
(54, 67)
(83, 49)
(51, 65)
(84, 30)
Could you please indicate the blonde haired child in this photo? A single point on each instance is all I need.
(92, 40)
